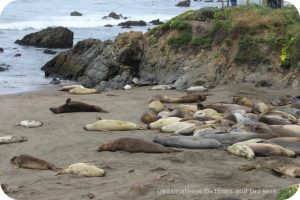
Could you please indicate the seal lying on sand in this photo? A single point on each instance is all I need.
(76, 106)
(188, 142)
(83, 169)
(164, 122)
(69, 87)
(192, 98)
(172, 128)
(241, 150)
(134, 145)
(30, 123)
(82, 90)
(156, 106)
(285, 130)
(243, 101)
(30, 162)
(112, 125)
(281, 165)
(149, 116)
(285, 143)
(12, 139)
(227, 108)
(262, 149)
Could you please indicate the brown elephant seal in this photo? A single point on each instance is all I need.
(227, 108)
(291, 145)
(192, 98)
(243, 101)
(30, 162)
(285, 130)
(149, 116)
(274, 120)
(188, 142)
(279, 164)
(76, 106)
(264, 150)
(134, 145)
(280, 101)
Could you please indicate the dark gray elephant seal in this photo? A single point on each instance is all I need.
(188, 142)
(226, 108)
(30, 162)
(279, 164)
(134, 145)
(76, 106)
(265, 150)
(229, 138)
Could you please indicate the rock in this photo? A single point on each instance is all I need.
(4, 67)
(55, 81)
(59, 37)
(127, 87)
(185, 3)
(115, 15)
(18, 55)
(156, 22)
(1, 50)
(49, 51)
(263, 83)
(108, 25)
(133, 23)
(75, 13)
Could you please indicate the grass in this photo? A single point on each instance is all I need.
(286, 193)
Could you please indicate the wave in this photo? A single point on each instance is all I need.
(89, 21)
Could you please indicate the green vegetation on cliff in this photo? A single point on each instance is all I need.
(258, 32)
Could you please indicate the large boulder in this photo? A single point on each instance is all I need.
(75, 13)
(115, 15)
(184, 3)
(133, 23)
(58, 37)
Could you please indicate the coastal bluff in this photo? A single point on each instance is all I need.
(205, 47)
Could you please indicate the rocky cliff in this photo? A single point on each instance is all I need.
(204, 47)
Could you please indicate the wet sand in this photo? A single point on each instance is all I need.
(194, 174)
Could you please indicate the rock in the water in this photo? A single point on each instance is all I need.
(115, 15)
(185, 3)
(55, 81)
(108, 25)
(49, 51)
(1, 50)
(126, 26)
(58, 37)
(156, 22)
(18, 55)
(133, 23)
(3, 67)
(75, 13)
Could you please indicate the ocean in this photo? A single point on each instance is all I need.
(22, 17)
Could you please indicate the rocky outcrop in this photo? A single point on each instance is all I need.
(75, 13)
(58, 37)
(156, 22)
(133, 23)
(115, 15)
(1, 50)
(4, 67)
(185, 3)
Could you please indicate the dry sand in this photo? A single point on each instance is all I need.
(63, 141)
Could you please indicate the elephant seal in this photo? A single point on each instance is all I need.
(69, 87)
(279, 164)
(172, 128)
(164, 122)
(197, 89)
(83, 169)
(134, 145)
(274, 120)
(295, 105)
(188, 142)
(76, 106)
(241, 150)
(149, 116)
(30, 123)
(30, 162)
(260, 108)
(156, 106)
(55, 81)
(278, 115)
(192, 98)
(285, 130)
(207, 114)
(264, 150)
(112, 125)
(82, 90)
(243, 101)
(240, 119)
(229, 138)
(12, 139)
(227, 108)
(291, 145)
(287, 139)
(161, 87)
(280, 101)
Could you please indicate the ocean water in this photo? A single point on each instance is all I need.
(26, 16)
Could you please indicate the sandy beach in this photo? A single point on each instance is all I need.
(208, 174)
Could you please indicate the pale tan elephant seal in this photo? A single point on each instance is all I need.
(112, 125)
(83, 169)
